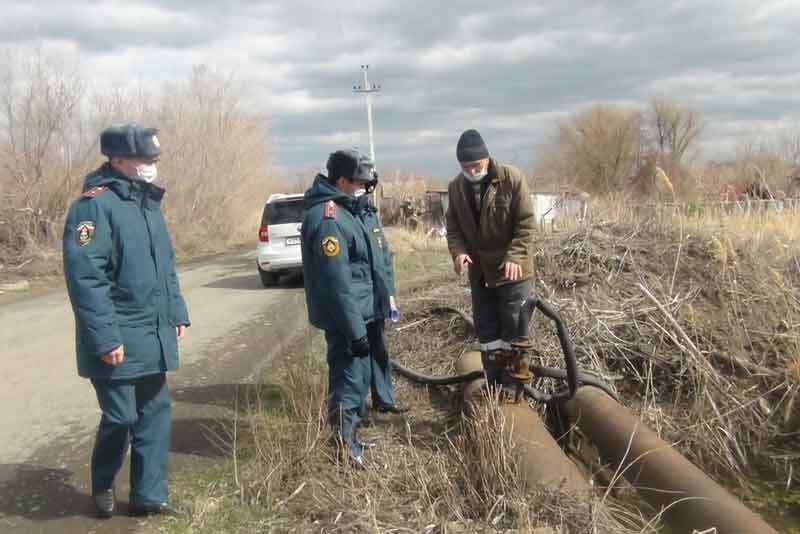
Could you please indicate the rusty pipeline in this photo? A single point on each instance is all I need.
(523, 369)
(541, 460)
(689, 499)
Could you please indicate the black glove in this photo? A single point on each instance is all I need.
(360, 347)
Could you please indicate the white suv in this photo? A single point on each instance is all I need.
(279, 237)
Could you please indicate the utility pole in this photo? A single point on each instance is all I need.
(367, 89)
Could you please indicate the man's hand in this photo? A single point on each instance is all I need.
(360, 347)
(461, 262)
(513, 271)
(114, 357)
(180, 331)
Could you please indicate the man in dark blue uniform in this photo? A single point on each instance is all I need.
(339, 262)
(380, 368)
(119, 266)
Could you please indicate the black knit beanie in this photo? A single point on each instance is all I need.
(471, 147)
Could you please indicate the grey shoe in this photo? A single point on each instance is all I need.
(104, 503)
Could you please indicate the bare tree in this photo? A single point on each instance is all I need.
(789, 146)
(595, 150)
(39, 101)
(216, 161)
(676, 128)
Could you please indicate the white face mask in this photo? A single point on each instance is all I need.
(358, 192)
(147, 173)
(477, 177)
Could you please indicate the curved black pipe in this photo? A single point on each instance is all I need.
(419, 378)
(584, 379)
(464, 315)
(537, 370)
(571, 363)
(573, 377)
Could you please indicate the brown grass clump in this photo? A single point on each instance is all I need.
(433, 472)
(701, 328)
(698, 329)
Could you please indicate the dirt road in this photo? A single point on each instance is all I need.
(48, 414)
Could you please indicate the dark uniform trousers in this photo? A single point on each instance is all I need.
(348, 385)
(137, 412)
(496, 312)
(380, 366)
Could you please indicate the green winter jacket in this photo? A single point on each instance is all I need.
(506, 227)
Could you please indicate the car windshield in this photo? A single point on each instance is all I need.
(283, 212)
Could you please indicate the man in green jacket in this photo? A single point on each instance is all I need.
(130, 315)
(490, 227)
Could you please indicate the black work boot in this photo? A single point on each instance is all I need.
(142, 510)
(391, 408)
(104, 503)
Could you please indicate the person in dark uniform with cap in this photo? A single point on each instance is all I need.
(119, 266)
(490, 228)
(342, 290)
(380, 365)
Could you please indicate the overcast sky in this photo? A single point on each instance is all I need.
(509, 69)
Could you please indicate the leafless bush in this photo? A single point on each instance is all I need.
(215, 165)
(706, 340)
(41, 152)
(596, 150)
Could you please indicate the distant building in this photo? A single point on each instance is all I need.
(554, 207)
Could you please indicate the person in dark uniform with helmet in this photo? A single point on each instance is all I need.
(119, 266)
(339, 262)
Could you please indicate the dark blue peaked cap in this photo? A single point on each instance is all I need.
(351, 164)
(130, 141)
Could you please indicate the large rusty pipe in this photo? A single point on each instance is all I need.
(541, 460)
(691, 501)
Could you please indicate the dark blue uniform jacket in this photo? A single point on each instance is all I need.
(119, 266)
(338, 259)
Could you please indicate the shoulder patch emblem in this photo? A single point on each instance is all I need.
(93, 192)
(330, 210)
(330, 246)
(84, 232)
(376, 230)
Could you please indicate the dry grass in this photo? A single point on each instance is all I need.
(434, 472)
(406, 241)
(697, 326)
(700, 318)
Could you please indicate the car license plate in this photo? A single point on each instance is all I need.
(292, 240)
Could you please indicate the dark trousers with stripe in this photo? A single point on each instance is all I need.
(496, 312)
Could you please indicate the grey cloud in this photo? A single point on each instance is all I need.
(508, 69)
